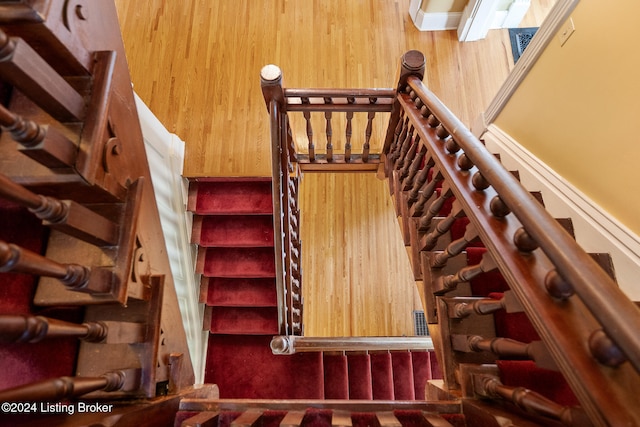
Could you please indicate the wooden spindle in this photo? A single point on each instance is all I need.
(480, 307)
(443, 226)
(309, 128)
(426, 192)
(529, 401)
(448, 283)
(69, 387)
(434, 209)
(45, 144)
(366, 148)
(409, 158)
(66, 215)
(404, 148)
(420, 180)
(407, 183)
(505, 348)
(329, 133)
(348, 132)
(74, 276)
(24, 68)
(455, 248)
(17, 328)
(400, 138)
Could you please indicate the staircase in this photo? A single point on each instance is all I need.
(233, 227)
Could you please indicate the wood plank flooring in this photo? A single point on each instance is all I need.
(196, 64)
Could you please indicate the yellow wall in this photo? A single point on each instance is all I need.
(578, 110)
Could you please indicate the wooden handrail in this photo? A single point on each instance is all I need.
(296, 344)
(619, 317)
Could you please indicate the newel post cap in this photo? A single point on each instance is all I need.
(270, 75)
(412, 63)
(271, 83)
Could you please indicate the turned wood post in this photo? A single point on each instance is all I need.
(412, 63)
(273, 92)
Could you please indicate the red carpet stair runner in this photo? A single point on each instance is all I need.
(233, 226)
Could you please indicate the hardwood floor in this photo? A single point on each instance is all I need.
(196, 64)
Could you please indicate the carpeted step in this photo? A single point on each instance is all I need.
(236, 262)
(403, 384)
(245, 292)
(336, 376)
(382, 376)
(421, 361)
(232, 230)
(525, 373)
(244, 320)
(244, 367)
(231, 196)
(359, 366)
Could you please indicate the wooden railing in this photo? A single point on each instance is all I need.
(73, 155)
(295, 344)
(588, 327)
(320, 108)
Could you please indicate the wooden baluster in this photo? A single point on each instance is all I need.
(529, 401)
(22, 67)
(16, 328)
(434, 208)
(419, 182)
(448, 283)
(481, 307)
(329, 132)
(410, 177)
(505, 348)
(348, 132)
(443, 226)
(404, 149)
(508, 302)
(290, 146)
(75, 277)
(399, 139)
(426, 193)
(67, 387)
(409, 158)
(310, 145)
(454, 248)
(27, 328)
(66, 216)
(45, 144)
(367, 132)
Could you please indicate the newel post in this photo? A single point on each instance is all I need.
(412, 63)
(272, 86)
(273, 92)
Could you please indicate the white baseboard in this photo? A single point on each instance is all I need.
(433, 21)
(165, 152)
(595, 229)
